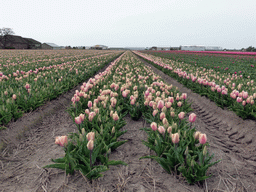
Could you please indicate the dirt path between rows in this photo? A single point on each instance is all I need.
(230, 138)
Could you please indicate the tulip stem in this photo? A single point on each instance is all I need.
(91, 158)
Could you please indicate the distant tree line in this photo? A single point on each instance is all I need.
(250, 49)
(4, 32)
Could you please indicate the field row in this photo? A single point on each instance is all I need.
(234, 91)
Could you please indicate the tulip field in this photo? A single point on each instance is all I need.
(121, 121)
(227, 80)
(128, 86)
(29, 79)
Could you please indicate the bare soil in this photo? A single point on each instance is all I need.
(30, 146)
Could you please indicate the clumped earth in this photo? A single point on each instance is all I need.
(30, 146)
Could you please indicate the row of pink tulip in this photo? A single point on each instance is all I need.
(28, 90)
(215, 52)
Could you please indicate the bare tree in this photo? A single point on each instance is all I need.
(4, 34)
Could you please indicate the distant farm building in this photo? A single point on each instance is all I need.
(51, 46)
(213, 48)
(159, 48)
(192, 48)
(99, 47)
(200, 48)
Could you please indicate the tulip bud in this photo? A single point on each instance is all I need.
(186, 151)
(165, 121)
(81, 137)
(193, 163)
(204, 151)
(83, 131)
(174, 126)
(113, 130)
(101, 129)
(172, 114)
(169, 130)
(90, 145)
(196, 135)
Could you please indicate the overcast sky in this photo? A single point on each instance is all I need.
(133, 23)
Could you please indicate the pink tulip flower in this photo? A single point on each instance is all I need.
(90, 145)
(153, 126)
(87, 111)
(184, 96)
(175, 138)
(90, 136)
(89, 104)
(91, 115)
(192, 117)
(61, 140)
(239, 99)
(181, 115)
(14, 97)
(82, 116)
(202, 138)
(160, 104)
(155, 112)
(162, 115)
(78, 120)
(179, 104)
(27, 86)
(161, 129)
(115, 116)
(245, 95)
